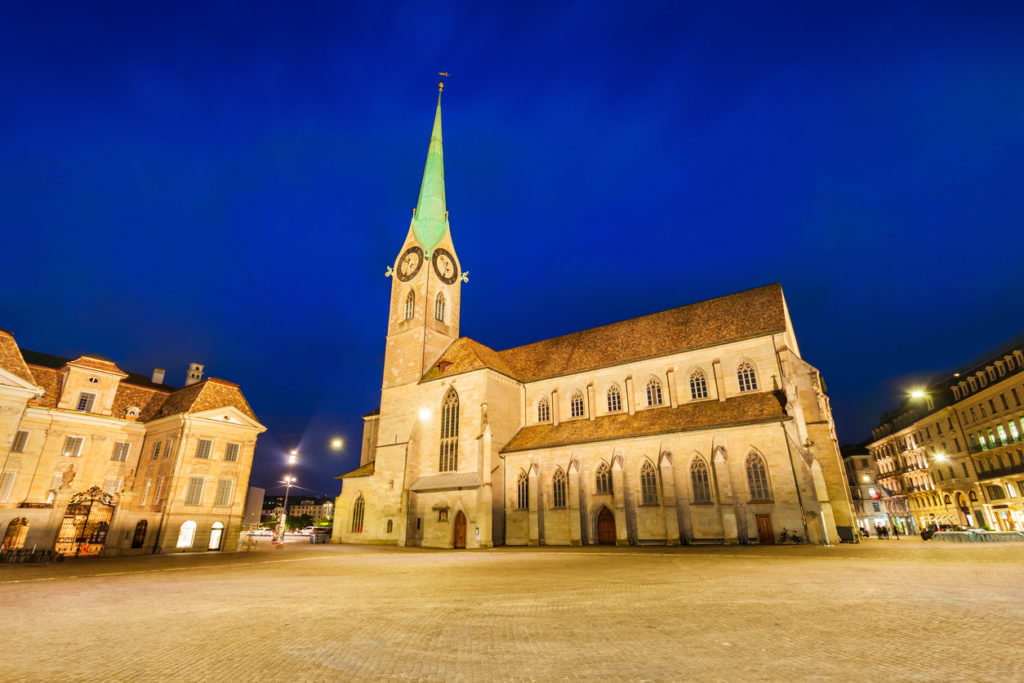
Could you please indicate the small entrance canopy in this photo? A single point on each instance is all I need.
(449, 481)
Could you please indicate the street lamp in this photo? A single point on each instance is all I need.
(288, 481)
(337, 443)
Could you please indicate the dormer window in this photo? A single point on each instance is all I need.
(86, 400)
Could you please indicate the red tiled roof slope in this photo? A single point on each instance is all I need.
(743, 409)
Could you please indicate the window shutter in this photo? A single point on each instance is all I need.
(231, 455)
(224, 487)
(195, 491)
(204, 448)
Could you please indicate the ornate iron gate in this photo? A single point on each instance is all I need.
(86, 522)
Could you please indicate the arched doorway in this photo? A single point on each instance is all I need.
(140, 534)
(186, 534)
(83, 531)
(962, 509)
(216, 536)
(605, 527)
(460, 530)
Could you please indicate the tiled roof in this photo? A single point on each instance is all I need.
(11, 359)
(447, 481)
(743, 409)
(364, 471)
(743, 315)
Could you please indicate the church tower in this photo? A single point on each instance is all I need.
(426, 280)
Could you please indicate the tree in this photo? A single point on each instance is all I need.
(296, 522)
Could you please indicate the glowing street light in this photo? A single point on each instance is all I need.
(917, 393)
(337, 443)
(940, 457)
(288, 482)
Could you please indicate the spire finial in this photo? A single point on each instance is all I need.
(440, 86)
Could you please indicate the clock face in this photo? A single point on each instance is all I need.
(444, 266)
(410, 263)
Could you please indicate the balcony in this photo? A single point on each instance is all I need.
(1001, 472)
(975, 448)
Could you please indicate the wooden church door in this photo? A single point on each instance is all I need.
(460, 530)
(606, 527)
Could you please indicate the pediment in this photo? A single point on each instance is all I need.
(228, 415)
(11, 383)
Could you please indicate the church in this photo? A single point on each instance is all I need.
(699, 424)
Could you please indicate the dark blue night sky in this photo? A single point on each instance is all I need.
(226, 182)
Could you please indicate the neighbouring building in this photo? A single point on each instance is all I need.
(96, 460)
(253, 508)
(700, 424)
(317, 509)
(866, 496)
(953, 453)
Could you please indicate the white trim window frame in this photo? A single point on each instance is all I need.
(73, 446)
(204, 449)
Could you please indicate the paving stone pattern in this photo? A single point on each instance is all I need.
(881, 610)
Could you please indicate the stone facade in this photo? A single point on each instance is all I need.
(98, 460)
(698, 424)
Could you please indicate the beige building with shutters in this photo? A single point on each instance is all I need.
(96, 460)
(700, 424)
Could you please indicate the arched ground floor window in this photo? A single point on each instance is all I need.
(216, 536)
(186, 535)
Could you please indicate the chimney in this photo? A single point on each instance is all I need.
(158, 375)
(195, 374)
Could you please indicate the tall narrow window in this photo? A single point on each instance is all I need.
(654, 392)
(225, 487)
(543, 409)
(145, 492)
(231, 453)
(698, 385)
(194, 495)
(604, 478)
(746, 377)
(6, 484)
(523, 491)
(558, 489)
(410, 306)
(86, 401)
(614, 399)
(120, 451)
(439, 306)
(757, 478)
(20, 441)
(576, 405)
(160, 494)
(357, 515)
(699, 480)
(450, 432)
(170, 447)
(204, 448)
(156, 449)
(648, 484)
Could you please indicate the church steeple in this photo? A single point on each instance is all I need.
(430, 222)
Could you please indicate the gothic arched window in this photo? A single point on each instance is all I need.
(357, 515)
(543, 409)
(439, 306)
(698, 385)
(410, 306)
(747, 378)
(614, 399)
(604, 479)
(648, 484)
(576, 405)
(449, 432)
(523, 491)
(558, 488)
(654, 392)
(699, 480)
(757, 478)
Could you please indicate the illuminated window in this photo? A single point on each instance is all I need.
(614, 399)
(449, 432)
(186, 534)
(576, 405)
(357, 515)
(654, 392)
(543, 409)
(757, 478)
(73, 446)
(746, 377)
(523, 491)
(439, 307)
(86, 401)
(410, 306)
(1013, 431)
(216, 536)
(700, 481)
(648, 484)
(1002, 434)
(442, 515)
(604, 478)
(558, 489)
(698, 385)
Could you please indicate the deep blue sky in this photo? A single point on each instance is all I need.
(226, 182)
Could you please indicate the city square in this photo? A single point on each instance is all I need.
(331, 612)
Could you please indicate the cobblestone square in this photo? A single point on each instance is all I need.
(884, 610)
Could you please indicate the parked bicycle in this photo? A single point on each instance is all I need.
(788, 536)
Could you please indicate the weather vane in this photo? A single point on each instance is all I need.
(440, 86)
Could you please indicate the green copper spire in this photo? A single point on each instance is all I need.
(430, 222)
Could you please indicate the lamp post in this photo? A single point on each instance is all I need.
(293, 457)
